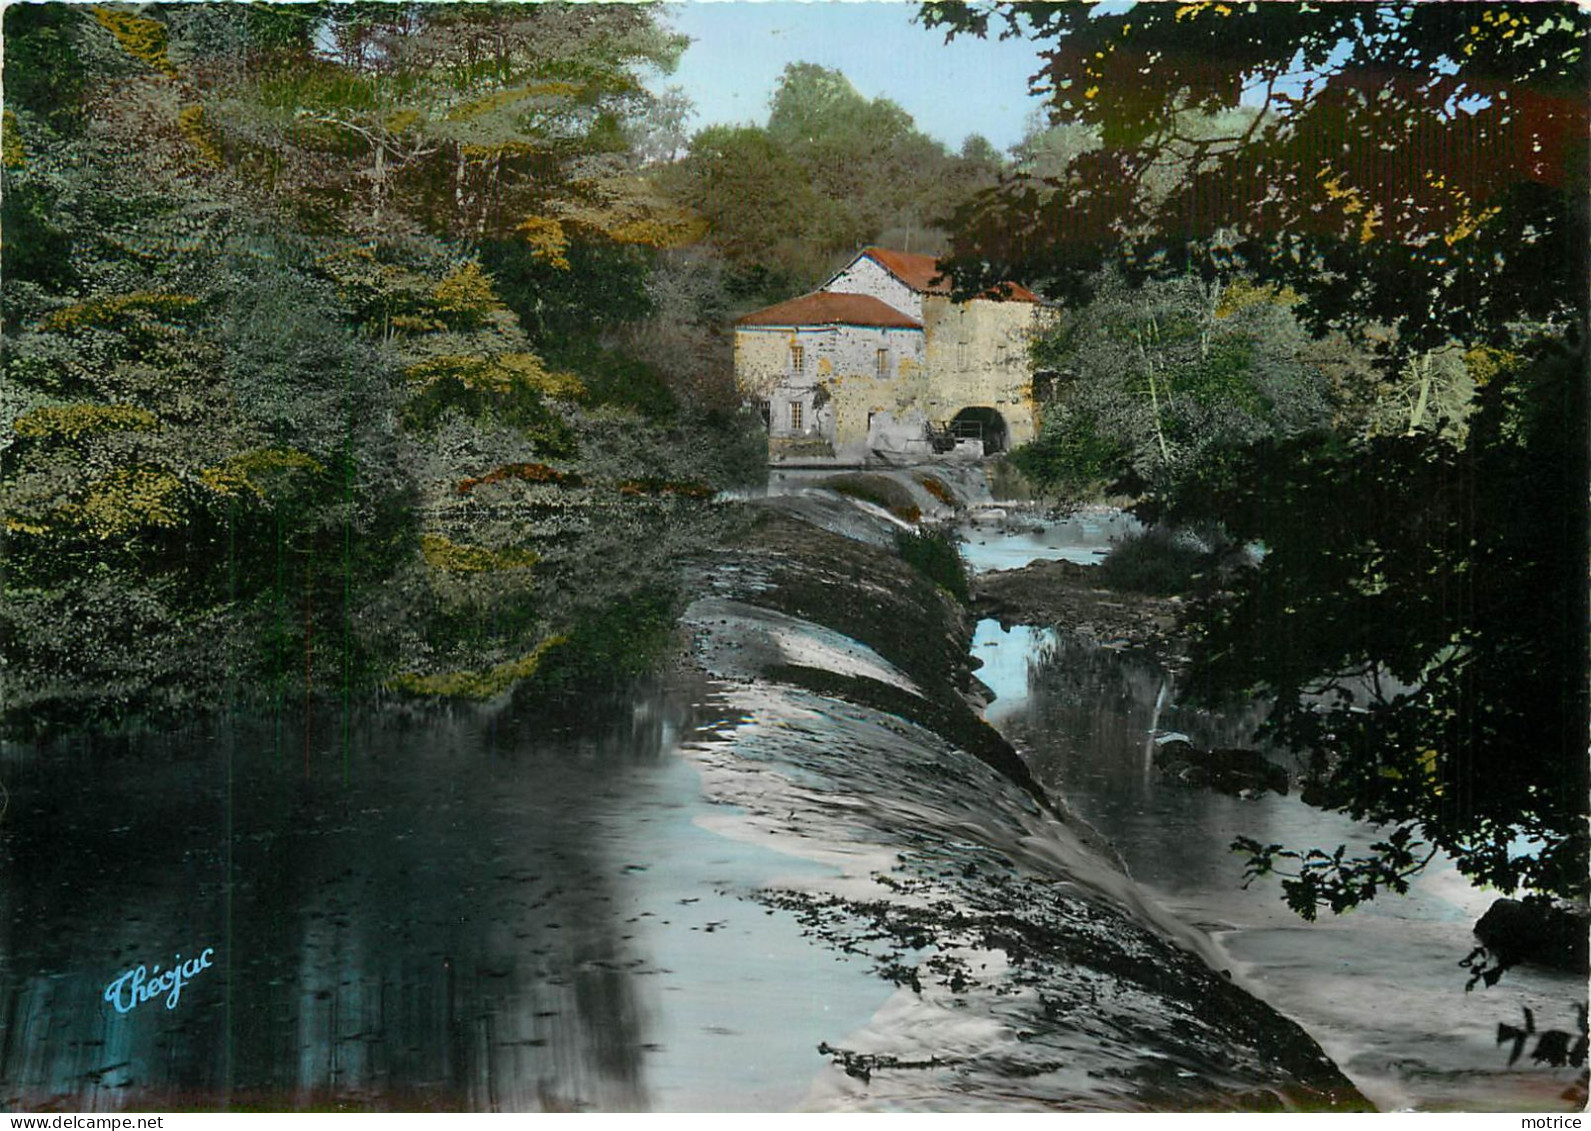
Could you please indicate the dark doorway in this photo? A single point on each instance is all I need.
(980, 423)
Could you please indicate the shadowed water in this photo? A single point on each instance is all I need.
(743, 895)
(480, 912)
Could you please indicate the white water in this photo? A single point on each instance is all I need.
(1084, 538)
(895, 823)
(1379, 988)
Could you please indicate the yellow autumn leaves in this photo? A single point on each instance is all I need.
(505, 373)
(143, 39)
(74, 421)
(477, 684)
(126, 500)
(1467, 219)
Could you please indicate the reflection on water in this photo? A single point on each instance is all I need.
(470, 912)
(1380, 988)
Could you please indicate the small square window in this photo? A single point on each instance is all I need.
(795, 414)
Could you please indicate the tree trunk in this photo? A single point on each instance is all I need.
(1417, 416)
(380, 182)
(1153, 335)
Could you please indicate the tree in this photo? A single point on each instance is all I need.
(1144, 383)
(1415, 174)
(757, 201)
(831, 171)
(465, 121)
(1418, 166)
(1419, 624)
(248, 422)
(1046, 148)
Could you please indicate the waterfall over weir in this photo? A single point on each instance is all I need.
(795, 872)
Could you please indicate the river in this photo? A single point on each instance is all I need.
(1380, 988)
(492, 911)
(684, 898)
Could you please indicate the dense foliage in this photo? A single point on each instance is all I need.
(831, 171)
(1420, 620)
(1413, 165)
(1409, 182)
(383, 348)
(307, 388)
(934, 552)
(1144, 383)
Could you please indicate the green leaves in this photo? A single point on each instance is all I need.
(1412, 177)
(1149, 381)
(1409, 620)
(1317, 879)
(272, 422)
(455, 120)
(1071, 457)
(44, 72)
(831, 171)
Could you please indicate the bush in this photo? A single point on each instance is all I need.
(1007, 481)
(1164, 560)
(611, 378)
(934, 554)
(1071, 457)
(735, 448)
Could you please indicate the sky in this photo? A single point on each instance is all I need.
(740, 47)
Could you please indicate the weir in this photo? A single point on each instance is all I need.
(1031, 972)
(799, 871)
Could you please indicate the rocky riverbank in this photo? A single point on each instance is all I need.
(1030, 971)
(1068, 595)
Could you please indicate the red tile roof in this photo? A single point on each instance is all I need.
(1011, 292)
(918, 273)
(825, 308)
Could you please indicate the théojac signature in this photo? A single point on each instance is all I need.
(140, 984)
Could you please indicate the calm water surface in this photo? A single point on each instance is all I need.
(504, 911)
(462, 912)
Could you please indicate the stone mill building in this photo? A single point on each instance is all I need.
(879, 365)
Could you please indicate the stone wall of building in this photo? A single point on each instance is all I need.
(846, 406)
(829, 403)
(867, 277)
(977, 355)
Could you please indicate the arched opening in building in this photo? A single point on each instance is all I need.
(980, 423)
